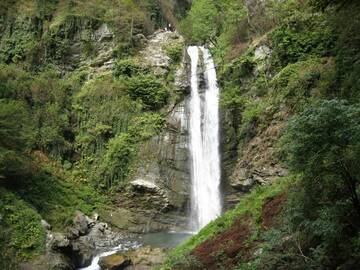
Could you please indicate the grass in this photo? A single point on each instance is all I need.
(249, 207)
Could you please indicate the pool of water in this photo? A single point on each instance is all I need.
(164, 239)
(128, 245)
(160, 239)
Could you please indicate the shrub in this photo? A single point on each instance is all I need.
(127, 67)
(149, 90)
(239, 69)
(300, 37)
(297, 84)
(201, 24)
(115, 164)
(323, 144)
(175, 52)
(21, 234)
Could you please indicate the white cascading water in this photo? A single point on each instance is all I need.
(204, 141)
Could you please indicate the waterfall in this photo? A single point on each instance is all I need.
(204, 140)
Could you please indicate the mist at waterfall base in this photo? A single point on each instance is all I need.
(204, 140)
(205, 159)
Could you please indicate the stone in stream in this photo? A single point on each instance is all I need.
(114, 262)
(144, 258)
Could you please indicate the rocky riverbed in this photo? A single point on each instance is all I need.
(92, 245)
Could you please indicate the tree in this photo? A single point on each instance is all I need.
(15, 135)
(323, 4)
(323, 145)
(201, 24)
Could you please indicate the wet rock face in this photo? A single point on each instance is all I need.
(165, 158)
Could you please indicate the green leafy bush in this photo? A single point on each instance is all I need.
(175, 52)
(115, 165)
(16, 136)
(239, 68)
(321, 145)
(21, 234)
(298, 84)
(301, 36)
(149, 90)
(127, 67)
(122, 149)
(201, 23)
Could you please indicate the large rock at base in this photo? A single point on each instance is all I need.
(144, 258)
(114, 262)
(50, 261)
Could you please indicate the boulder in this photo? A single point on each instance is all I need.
(114, 262)
(144, 258)
(82, 252)
(262, 52)
(242, 180)
(45, 225)
(140, 40)
(73, 233)
(143, 185)
(81, 222)
(95, 216)
(103, 33)
(57, 241)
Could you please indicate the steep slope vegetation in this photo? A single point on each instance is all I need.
(290, 107)
(78, 103)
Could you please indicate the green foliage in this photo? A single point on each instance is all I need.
(322, 145)
(21, 234)
(149, 90)
(239, 68)
(115, 165)
(122, 149)
(146, 126)
(253, 110)
(347, 50)
(175, 52)
(323, 4)
(201, 23)
(297, 84)
(127, 67)
(231, 98)
(302, 35)
(15, 135)
(55, 198)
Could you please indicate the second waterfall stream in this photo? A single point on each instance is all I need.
(204, 139)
